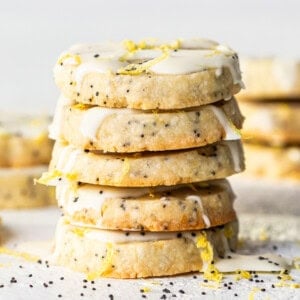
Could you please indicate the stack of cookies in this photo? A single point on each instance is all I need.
(271, 104)
(146, 134)
(25, 152)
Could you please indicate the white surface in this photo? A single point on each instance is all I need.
(37, 225)
(262, 195)
(34, 32)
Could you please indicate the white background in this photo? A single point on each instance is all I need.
(34, 32)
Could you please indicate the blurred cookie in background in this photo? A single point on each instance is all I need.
(25, 151)
(270, 78)
(271, 134)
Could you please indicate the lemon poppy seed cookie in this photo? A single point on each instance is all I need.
(24, 140)
(273, 123)
(149, 169)
(183, 207)
(17, 189)
(120, 254)
(149, 75)
(145, 135)
(270, 79)
(134, 130)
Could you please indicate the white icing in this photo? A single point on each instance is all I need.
(204, 216)
(189, 61)
(198, 44)
(235, 154)
(114, 236)
(100, 66)
(94, 117)
(251, 263)
(231, 133)
(67, 159)
(192, 56)
(55, 126)
(89, 196)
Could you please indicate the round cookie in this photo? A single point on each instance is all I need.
(272, 123)
(148, 169)
(149, 75)
(133, 130)
(101, 253)
(24, 140)
(271, 162)
(270, 79)
(17, 189)
(183, 207)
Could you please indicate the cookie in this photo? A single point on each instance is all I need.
(134, 130)
(271, 162)
(149, 75)
(272, 123)
(17, 189)
(270, 79)
(117, 254)
(148, 169)
(182, 207)
(24, 140)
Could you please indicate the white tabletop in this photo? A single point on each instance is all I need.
(37, 226)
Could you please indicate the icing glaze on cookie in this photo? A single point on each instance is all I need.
(177, 57)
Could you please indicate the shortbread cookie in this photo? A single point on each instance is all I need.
(182, 207)
(24, 140)
(272, 123)
(120, 254)
(148, 169)
(272, 162)
(17, 189)
(270, 78)
(149, 75)
(134, 131)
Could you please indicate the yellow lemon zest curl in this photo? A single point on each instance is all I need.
(106, 267)
(63, 58)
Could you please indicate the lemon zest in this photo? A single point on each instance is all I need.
(106, 267)
(132, 47)
(234, 128)
(296, 263)
(210, 286)
(64, 57)
(207, 255)
(48, 176)
(242, 274)
(14, 253)
(253, 292)
(136, 69)
(79, 231)
(80, 106)
(263, 235)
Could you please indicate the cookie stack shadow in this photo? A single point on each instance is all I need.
(145, 137)
(271, 104)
